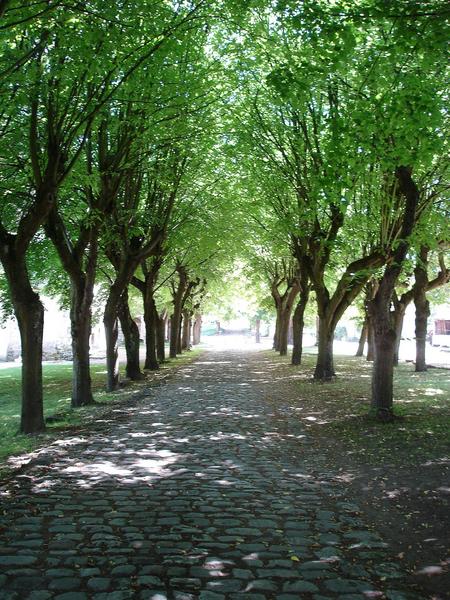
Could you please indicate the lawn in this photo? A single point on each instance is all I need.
(57, 393)
(340, 409)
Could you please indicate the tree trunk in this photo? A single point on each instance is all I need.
(161, 336)
(324, 370)
(362, 339)
(81, 320)
(398, 317)
(276, 335)
(29, 312)
(196, 330)
(112, 351)
(370, 341)
(384, 331)
(290, 336)
(258, 331)
(422, 307)
(383, 367)
(284, 331)
(175, 319)
(298, 324)
(130, 332)
(422, 314)
(186, 331)
(151, 320)
(179, 347)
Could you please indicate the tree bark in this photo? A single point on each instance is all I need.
(131, 334)
(422, 308)
(362, 339)
(196, 330)
(112, 350)
(151, 320)
(325, 365)
(398, 318)
(276, 334)
(284, 331)
(161, 336)
(175, 319)
(370, 341)
(81, 321)
(298, 325)
(383, 327)
(258, 331)
(186, 331)
(29, 312)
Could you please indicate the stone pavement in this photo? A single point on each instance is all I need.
(208, 489)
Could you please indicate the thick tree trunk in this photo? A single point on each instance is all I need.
(383, 367)
(112, 350)
(81, 319)
(276, 334)
(175, 319)
(151, 320)
(131, 334)
(29, 312)
(384, 331)
(422, 314)
(298, 324)
(362, 339)
(161, 336)
(284, 331)
(370, 341)
(196, 330)
(290, 336)
(30, 316)
(186, 331)
(324, 370)
(258, 331)
(422, 305)
(179, 347)
(398, 318)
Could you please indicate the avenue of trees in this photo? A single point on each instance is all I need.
(146, 146)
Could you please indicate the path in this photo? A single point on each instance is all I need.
(206, 490)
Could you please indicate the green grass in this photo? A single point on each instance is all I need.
(57, 395)
(340, 410)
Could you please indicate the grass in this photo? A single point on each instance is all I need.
(341, 410)
(57, 395)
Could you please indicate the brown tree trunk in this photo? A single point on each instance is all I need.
(29, 312)
(362, 339)
(151, 320)
(112, 350)
(284, 331)
(370, 341)
(422, 314)
(196, 330)
(258, 331)
(298, 324)
(276, 334)
(383, 366)
(384, 331)
(161, 336)
(175, 319)
(324, 370)
(80, 321)
(422, 308)
(131, 334)
(186, 331)
(398, 318)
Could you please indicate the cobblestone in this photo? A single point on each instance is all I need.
(203, 493)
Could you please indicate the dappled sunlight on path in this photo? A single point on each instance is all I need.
(207, 489)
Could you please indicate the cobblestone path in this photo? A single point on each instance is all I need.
(208, 489)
